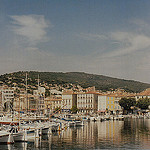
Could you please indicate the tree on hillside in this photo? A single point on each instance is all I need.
(126, 103)
(143, 103)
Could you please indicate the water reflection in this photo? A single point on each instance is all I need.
(128, 134)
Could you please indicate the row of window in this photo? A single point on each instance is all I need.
(87, 101)
(83, 106)
(110, 107)
(9, 96)
(8, 91)
(116, 107)
(85, 97)
(110, 98)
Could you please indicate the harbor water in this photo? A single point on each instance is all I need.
(127, 134)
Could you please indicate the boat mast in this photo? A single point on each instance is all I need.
(26, 92)
(38, 95)
(19, 112)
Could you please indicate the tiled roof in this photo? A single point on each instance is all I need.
(144, 93)
(67, 93)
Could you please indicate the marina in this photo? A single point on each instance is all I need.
(130, 133)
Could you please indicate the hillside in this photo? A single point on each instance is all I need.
(101, 82)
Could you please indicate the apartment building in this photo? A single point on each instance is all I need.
(39, 96)
(7, 96)
(87, 102)
(69, 99)
(20, 101)
(143, 94)
(109, 103)
(118, 108)
(102, 103)
(51, 103)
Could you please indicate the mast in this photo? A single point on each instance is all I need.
(19, 112)
(26, 92)
(38, 98)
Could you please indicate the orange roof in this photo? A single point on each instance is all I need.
(101, 94)
(144, 93)
(67, 93)
(112, 95)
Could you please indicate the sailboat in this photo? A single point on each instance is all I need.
(18, 134)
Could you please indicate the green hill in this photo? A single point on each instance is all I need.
(101, 82)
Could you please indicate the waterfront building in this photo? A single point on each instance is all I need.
(143, 94)
(69, 99)
(102, 103)
(39, 96)
(7, 96)
(87, 102)
(109, 103)
(20, 101)
(32, 103)
(117, 107)
(51, 103)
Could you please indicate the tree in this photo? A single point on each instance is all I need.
(74, 109)
(47, 93)
(143, 103)
(126, 103)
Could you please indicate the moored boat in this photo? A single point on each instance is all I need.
(6, 137)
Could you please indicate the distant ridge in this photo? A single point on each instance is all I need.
(101, 82)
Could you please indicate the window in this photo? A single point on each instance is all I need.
(108, 102)
(111, 102)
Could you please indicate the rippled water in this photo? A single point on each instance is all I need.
(128, 134)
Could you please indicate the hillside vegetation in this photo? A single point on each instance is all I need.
(101, 82)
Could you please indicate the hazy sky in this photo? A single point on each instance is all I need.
(106, 37)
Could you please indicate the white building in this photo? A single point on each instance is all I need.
(7, 94)
(87, 102)
(102, 102)
(39, 95)
(143, 94)
(69, 99)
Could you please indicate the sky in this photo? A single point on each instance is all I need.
(101, 37)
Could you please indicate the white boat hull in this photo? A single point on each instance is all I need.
(21, 136)
(6, 139)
